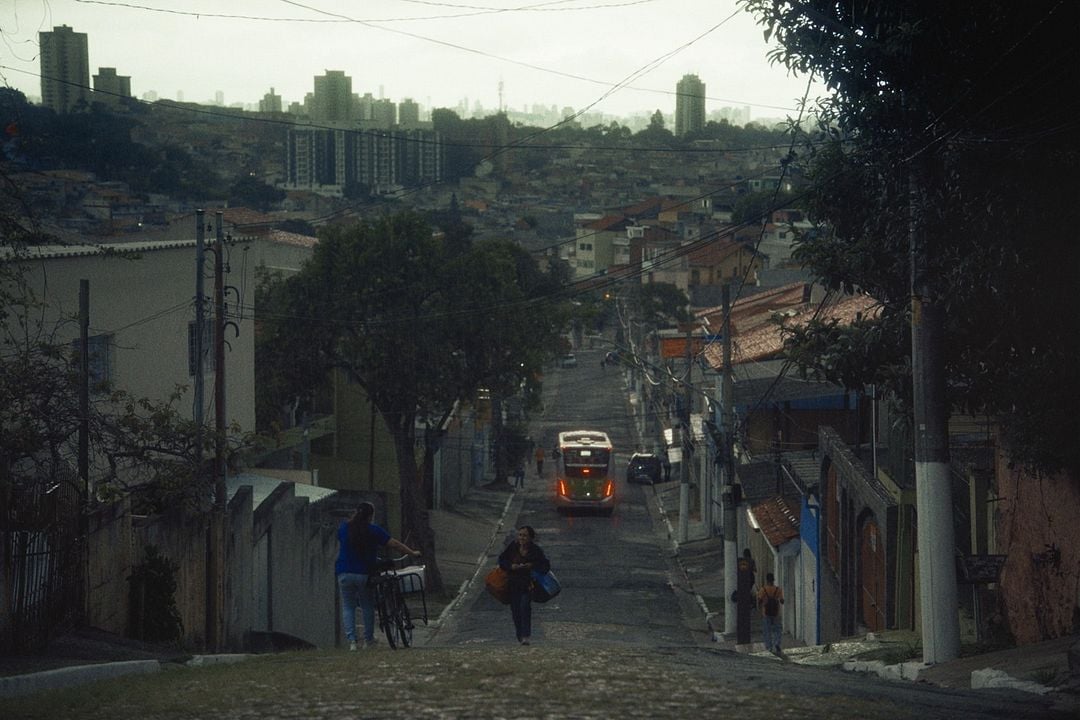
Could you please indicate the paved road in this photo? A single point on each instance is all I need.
(623, 640)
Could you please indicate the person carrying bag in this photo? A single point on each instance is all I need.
(520, 560)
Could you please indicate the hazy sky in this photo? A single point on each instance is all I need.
(623, 55)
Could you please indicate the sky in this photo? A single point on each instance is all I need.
(620, 57)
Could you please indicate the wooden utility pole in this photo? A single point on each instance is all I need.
(215, 596)
(200, 345)
(933, 489)
(84, 389)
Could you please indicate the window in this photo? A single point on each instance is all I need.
(207, 346)
(100, 359)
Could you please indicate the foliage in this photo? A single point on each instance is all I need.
(100, 141)
(753, 207)
(154, 616)
(660, 304)
(250, 191)
(956, 117)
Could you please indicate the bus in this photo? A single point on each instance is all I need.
(584, 472)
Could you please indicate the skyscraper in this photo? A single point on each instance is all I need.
(689, 105)
(332, 99)
(65, 69)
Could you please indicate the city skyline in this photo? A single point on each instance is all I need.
(513, 58)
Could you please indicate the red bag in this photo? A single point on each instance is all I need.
(497, 582)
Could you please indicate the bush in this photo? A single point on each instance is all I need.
(154, 616)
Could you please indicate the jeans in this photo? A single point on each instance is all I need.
(354, 591)
(772, 633)
(521, 610)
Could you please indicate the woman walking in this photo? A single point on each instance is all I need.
(360, 540)
(520, 558)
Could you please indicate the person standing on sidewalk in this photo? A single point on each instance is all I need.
(520, 558)
(539, 455)
(770, 598)
(359, 540)
(519, 475)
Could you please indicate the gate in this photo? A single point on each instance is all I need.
(41, 567)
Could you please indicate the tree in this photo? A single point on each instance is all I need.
(963, 108)
(253, 192)
(656, 133)
(418, 328)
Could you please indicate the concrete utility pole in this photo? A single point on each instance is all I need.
(686, 439)
(936, 540)
(727, 427)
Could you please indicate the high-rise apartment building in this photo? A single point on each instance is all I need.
(271, 102)
(384, 112)
(65, 69)
(689, 105)
(330, 159)
(332, 99)
(408, 112)
(112, 87)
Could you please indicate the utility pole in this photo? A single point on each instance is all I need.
(727, 426)
(200, 328)
(686, 439)
(84, 390)
(216, 567)
(936, 540)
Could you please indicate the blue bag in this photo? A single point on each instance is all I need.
(544, 586)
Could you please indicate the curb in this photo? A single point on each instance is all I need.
(61, 678)
(481, 559)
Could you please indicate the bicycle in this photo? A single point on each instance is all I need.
(395, 620)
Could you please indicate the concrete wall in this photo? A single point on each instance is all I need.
(1037, 529)
(279, 574)
(144, 301)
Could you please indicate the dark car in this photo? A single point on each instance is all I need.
(644, 468)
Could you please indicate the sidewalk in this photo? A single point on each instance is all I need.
(1038, 668)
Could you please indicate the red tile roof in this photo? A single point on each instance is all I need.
(755, 337)
(778, 520)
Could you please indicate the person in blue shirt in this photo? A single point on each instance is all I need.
(360, 540)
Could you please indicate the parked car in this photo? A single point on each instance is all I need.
(568, 361)
(644, 468)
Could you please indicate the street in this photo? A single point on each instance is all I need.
(624, 638)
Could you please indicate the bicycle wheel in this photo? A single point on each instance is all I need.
(403, 621)
(386, 614)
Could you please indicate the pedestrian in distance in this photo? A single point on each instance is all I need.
(359, 540)
(519, 476)
(770, 598)
(520, 558)
(539, 455)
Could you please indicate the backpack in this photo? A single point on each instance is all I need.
(772, 605)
